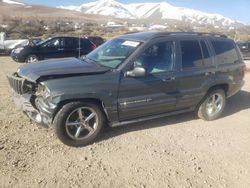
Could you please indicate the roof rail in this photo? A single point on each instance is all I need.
(196, 33)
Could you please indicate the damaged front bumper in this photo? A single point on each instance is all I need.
(23, 102)
(33, 107)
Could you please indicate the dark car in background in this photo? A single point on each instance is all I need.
(56, 47)
(97, 40)
(245, 49)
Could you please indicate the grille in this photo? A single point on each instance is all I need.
(17, 84)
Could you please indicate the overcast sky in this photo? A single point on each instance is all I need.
(235, 9)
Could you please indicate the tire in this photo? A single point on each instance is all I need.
(213, 105)
(77, 130)
(31, 59)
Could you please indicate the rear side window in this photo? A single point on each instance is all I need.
(85, 42)
(207, 60)
(191, 54)
(225, 52)
(204, 50)
(71, 42)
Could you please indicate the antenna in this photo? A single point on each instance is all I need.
(79, 47)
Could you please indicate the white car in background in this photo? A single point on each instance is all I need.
(7, 45)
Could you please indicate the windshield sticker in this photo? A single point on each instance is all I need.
(130, 43)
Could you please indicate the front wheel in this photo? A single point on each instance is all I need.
(78, 123)
(31, 59)
(213, 105)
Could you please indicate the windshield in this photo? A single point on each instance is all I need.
(113, 53)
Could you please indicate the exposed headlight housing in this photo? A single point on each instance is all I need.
(43, 91)
(18, 50)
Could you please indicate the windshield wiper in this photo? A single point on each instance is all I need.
(89, 60)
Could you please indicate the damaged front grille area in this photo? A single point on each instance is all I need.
(18, 84)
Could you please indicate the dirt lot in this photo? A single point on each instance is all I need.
(178, 151)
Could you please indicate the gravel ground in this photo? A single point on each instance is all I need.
(178, 151)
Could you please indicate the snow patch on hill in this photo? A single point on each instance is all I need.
(12, 2)
(161, 10)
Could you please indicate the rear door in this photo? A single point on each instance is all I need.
(196, 69)
(156, 92)
(71, 47)
(227, 59)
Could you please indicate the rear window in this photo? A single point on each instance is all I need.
(86, 44)
(191, 54)
(225, 52)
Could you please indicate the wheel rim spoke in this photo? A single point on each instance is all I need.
(90, 129)
(78, 132)
(80, 115)
(92, 115)
(72, 123)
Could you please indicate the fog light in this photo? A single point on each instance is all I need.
(38, 118)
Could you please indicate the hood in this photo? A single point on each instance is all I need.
(59, 67)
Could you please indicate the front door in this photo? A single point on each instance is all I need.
(156, 92)
(54, 48)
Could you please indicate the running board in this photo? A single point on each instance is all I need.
(118, 124)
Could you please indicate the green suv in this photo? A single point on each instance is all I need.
(131, 78)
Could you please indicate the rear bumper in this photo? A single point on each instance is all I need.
(235, 87)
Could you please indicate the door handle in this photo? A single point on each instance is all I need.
(60, 49)
(168, 79)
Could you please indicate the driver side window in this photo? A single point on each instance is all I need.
(157, 58)
(53, 43)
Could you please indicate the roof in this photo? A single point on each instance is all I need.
(144, 36)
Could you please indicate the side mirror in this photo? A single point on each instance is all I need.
(136, 72)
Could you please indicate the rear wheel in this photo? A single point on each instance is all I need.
(31, 59)
(213, 105)
(78, 123)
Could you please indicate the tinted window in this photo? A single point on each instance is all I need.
(207, 60)
(204, 50)
(85, 42)
(157, 58)
(225, 52)
(191, 54)
(71, 42)
(52, 43)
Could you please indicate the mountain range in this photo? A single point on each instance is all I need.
(161, 10)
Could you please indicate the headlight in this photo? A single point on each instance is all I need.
(43, 91)
(18, 50)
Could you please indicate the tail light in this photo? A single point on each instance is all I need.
(93, 46)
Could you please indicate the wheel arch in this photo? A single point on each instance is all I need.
(224, 86)
(96, 101)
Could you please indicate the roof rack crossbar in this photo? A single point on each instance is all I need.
(195, 33)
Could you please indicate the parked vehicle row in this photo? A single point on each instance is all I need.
(56, 47)
(131, 78)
